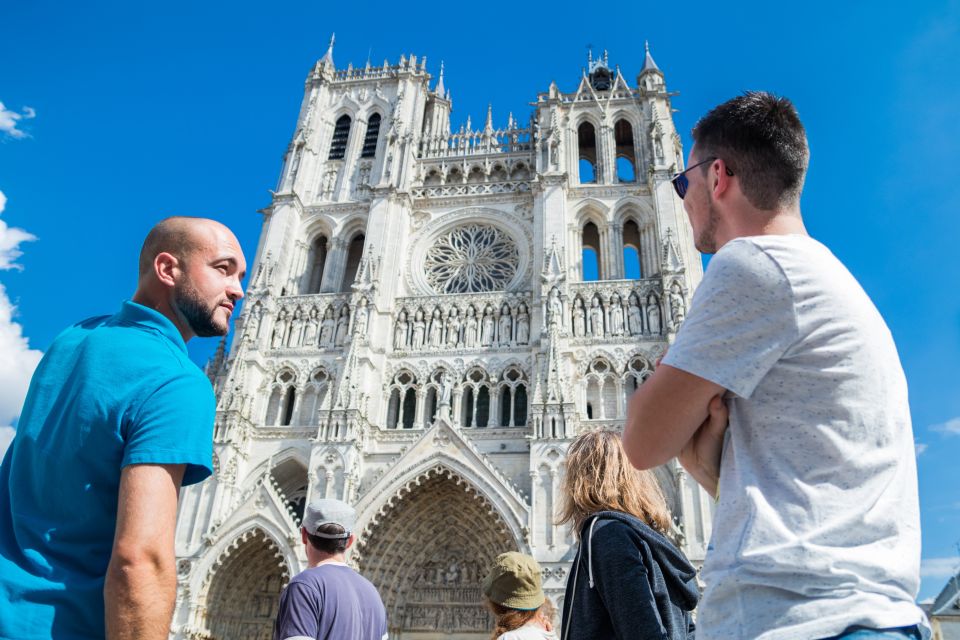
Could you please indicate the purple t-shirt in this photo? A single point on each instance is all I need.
(331, 601)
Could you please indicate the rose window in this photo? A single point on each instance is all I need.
(471, 259)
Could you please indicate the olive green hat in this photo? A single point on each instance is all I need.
(514, 581)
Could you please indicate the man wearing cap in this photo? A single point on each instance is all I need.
(329, 600)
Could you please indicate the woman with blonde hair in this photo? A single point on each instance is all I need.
(628, 579)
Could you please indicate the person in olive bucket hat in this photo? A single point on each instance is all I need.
(514, 595)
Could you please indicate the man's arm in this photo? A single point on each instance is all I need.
(664, 414)
(141, 579)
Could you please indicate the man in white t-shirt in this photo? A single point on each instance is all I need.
(816, 532)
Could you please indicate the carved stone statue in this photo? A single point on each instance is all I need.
(296, 329)
(400, 332)
(554, 308)
(523, 324)
(343, 326)
(505, 328)
(470, 329)
(419, 331)
(653, 315)
(616, 316)
(677, 307)
(486, 335)
(253, 322)
(362, 318)
(279, 328)
(327, 329)
(596, 319)
(635, 316)
(579, 318)
(311, 328)
(436, 329)
(446, 392)
(453, 327)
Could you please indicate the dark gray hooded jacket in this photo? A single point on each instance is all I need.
(628, 582)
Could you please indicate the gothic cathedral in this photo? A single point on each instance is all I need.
(433, 315)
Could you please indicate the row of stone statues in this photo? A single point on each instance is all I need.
(612, 317)
(301, 328)
(490, 328)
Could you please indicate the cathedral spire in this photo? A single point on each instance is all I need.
(488, 125)
(648, 63)
(328, 56)
(439, 90)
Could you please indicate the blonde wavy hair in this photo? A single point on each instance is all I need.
(599, 477)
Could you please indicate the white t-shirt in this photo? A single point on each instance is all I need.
(529, 631)
(818, 524)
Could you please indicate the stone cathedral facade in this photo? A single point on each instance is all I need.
(433, 315)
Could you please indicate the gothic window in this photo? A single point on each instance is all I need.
(476, 399)
(433, 178)
(318, 260)
(312, 398)
(341, 133)
(636, 374)
(476, 175)
(590, 240)
(371, 136)
(587, 147)
(519, 172)
(631, 251)
(470, 259)
(402, 409)
(601, 391)
(626, 157)
(354, 254)
(513, 399)
(283, 396)
(291, 478)
(498, 174)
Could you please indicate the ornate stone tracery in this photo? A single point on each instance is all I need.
(472, 258)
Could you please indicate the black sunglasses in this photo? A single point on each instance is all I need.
(681, 182)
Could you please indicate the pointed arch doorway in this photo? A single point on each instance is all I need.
(244, 589)
(427, 553)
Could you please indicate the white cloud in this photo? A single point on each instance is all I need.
(950, 427)
(17, 359)
(10, 119)
(920, 447)
(939, 567)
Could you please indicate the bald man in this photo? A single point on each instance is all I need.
(116, 420)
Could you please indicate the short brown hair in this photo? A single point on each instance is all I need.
(599, 477)
(507, 619)
(328, 545)
(761, 139)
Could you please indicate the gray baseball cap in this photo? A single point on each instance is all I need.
(325, 511)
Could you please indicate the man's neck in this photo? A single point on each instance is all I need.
(163, 307)
(764, 223)
(326, 558)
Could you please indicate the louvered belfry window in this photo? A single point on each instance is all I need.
(370, 139)
(341, 132)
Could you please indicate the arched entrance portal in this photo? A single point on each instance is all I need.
(428, 553)
(245, 589)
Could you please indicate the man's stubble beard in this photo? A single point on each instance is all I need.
(200, 315)
(706, 241)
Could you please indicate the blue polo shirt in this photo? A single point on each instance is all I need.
(111, 391)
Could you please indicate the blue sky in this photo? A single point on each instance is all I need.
(133, 111)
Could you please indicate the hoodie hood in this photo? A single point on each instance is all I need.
(679, 574)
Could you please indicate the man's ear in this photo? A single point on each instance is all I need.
(165, 267)
(351, 540)
(303, 535)
(720, 180)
